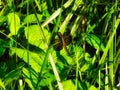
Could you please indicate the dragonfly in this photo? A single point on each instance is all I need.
(62, 41)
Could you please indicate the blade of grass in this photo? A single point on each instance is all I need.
(56, 13)
(111, 58)
(102, 60)
(111, 53)
(76, 23)
(106, 77)
(99, 79)
(69, 16)
(39, 6)
(116, 61)
(49, 54)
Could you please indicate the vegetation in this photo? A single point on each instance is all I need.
(59, 44)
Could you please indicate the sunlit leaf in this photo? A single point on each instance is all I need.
(32, 19)
(28, 81)
(66, 57)
(69, 85)
(46, 79)
(84, 67)
(13, 23)
(34, 59)
(35, 37)
(30, 77)
(78, 52)
(92, 88)
(2, 85)
(88, 57)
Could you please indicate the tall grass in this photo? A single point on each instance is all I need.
(29, 43)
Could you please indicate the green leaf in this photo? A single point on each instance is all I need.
(69, 85)
(2, 85)
(95, 42)
(30, 77)
(47, 79)
(92, 88)
(3, 45)
(10, 3)
(85, 67)
(35, 37)
(12, 75)
(78, 52)
(2, 19)
(35, 60)
(32, 19)
(83, 85)
(13, 23)
(88, 57)
(65, 57)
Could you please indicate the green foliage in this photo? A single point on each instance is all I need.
(13, 23)
(28, 36)
(35, 60)
(92, 88)
(33, 30)
(94, 41)
(32, 19)
(68, 85)
(3, 45)
(2, 86)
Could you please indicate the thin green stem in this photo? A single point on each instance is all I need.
(106, 77)
(49, 54)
